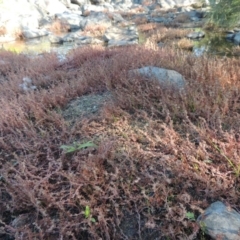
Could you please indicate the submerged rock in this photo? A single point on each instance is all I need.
(220, 222)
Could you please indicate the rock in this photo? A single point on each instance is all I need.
(117, 18)
(195, 14)
(67, 3)
(96, 19)
(161, 44)
(220, 222)
(117, 43)
(87, 40)
(80, 2)
(71, 37)
(80, 39)
(164, 76)
(54, 7)
(236, 38)
(72, 19)
(55, 39)
(195, 19)
(87, 8)
(230, 36)
(174, 3)
(34, 33)
(199, 51)
(236, 29)
(158, 19)
(121, 36)
(27, 85)
(74, 7)
(196, 35)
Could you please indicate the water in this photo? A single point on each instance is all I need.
(212, 43)
(216, 44)
(37, 46)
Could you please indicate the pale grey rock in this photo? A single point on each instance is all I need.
(109, 7)
(27, 80)
(87, 8)
(27, 85)
(54, 7)
(185, 9)
(117, 43)
(117, 18)
(80, 2)
(164, 76)
(74, 7)
(96, 19)
(72, 19)
(121, 36)
(173, 3)
(230, 31)
(34, 33)
(236, 29)
(220, 222)
(71, 37)
(16, 24)
(196, 35)
(67, 3)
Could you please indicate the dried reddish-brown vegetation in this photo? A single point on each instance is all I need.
(159, 153)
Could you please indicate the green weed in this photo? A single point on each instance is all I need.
(77, 146)
(87, 214)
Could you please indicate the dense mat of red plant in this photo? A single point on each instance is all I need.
(158, 154)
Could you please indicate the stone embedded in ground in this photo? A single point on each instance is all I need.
(220, 222)
(164, 76)
(196, 35)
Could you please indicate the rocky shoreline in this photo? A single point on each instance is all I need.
(111, 23)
